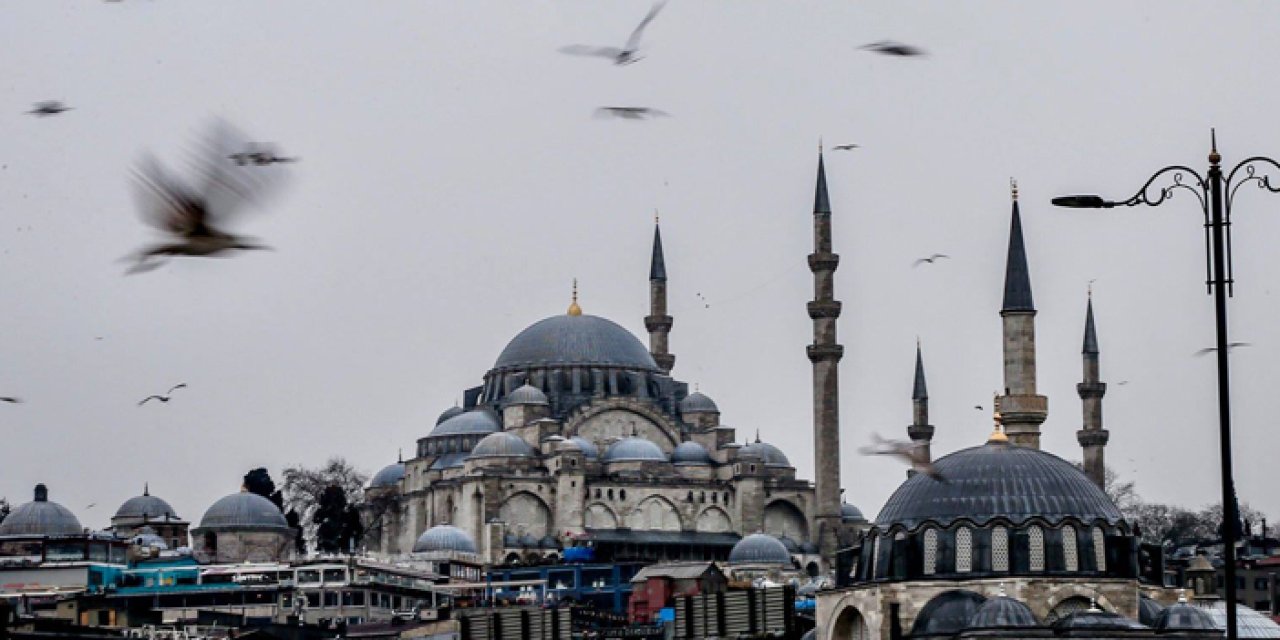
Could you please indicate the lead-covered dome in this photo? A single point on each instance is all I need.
(634, 449)
(698, 402)
(469, 422)
(502, 445)
(244, 510)
(575, 340)
(772, 456)
(146, 506)
(1184, 617)
(947, 613)
(455, 410)
(850, 513)
(587, 447)
(760, 548)
(690, 453)
(998, 480)
(40, 518)
(388, 476)
(1002, 612)
(444, 537)
(526, 395)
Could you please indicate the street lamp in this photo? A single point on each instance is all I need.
(1209, 191)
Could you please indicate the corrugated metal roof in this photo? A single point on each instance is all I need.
(676, 571)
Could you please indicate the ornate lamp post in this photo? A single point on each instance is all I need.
(1215, 194)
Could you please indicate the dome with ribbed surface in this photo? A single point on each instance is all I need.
(502, 445)
(1097, 620)
(998, 481)
(760, 548)
(388, 476)
(455, 410)
(1181, 616)
(947, 613)
(850, 513)
(698, 402)
(690, 453)
(468, 422)
(1002, 612)
(575, 340)
(444, 537)
(146, 506)
(244, 510)
(587, 447)
(526, 395)
(772, 456)
(633, 449)
(40, 518)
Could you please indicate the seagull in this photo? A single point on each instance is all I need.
(845, 147)
(978, 407)
(1122, 382)
(1230, 346)
(627, 54)
(91, 505)
(930, 259)
(910, 452)
(48, 108)
(166, 396)
(11, 400)
(195, 216)
(630, 113)
(891, 48)
(258, 155)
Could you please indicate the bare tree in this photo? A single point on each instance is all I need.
(4, 509)
(304, 487)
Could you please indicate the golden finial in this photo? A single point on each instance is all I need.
(574, 309)
(1013, 188)
(997, 433)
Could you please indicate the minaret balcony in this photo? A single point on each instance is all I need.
(824, 261)
(920, 432)
(1093, 437)
(658, 323)
(1091, 389)
(820, 352)
(824, 309)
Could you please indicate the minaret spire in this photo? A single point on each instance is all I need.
(825, 354)
(920, 431)
(1092, 438)
(1022, 409)
(658, 323)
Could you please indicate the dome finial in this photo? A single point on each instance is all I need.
(1013, 188)
(997, 433)
(400, 456)
(757, 435)
(574, 309)
(1002, 592)
(655, 216)
(146, 488)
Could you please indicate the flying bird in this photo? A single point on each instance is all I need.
(1122, 382)
(625, 55)
(11, 400)
(258, 155)
(845, 147)
(630, 113)
(1230, 347)
(930, 259)
(891, 48)
(48, 108)
(195, 215)
(910, 452)
(978, 407)
(167, 395)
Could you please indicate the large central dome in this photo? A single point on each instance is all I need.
(575, 340)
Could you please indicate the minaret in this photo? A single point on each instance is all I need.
(825, 355)
(920, 431)
(1093, 438)
(658, 322)
(1022, 410)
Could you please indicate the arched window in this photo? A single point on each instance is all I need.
(964, 550)
(715, 497)
(597, 493)
(610, 494)
(689, 498)
(930, 551)
(726, 497)
(1070, 554)
(999, 548)
(1036, 535)
(1100, 548)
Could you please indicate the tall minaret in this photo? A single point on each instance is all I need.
(1092, 437)
(1022, 410)
(825, 355)
(658, 322)
(920, 431)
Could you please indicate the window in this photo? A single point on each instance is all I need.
(1036, 536)
(1100, 548)
(726, 497)
(714, 497)
(702, 496)
(930, 551)
(1070, 554)
(622, 494)
(1261, 584)
(964, 550)
(331, 598)
(610, 494)
(999, 549)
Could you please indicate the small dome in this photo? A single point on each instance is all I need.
(690, 453)
(947, 613)
(575, 340)
(40, 518)
(1149, 611)
(470, 422)
(1098, 620)
(587, 447)
(1184, 617)
(772, 456)
(502, 445)
(698, 402)
(1002, 612)
(527, 394)
(759, 548)
(388, 476)
(1250, 622)
(634, 448)
(455, 410)
(850, 513)
(550, 542)
(244, 510)
(444, 537)
(146, 506)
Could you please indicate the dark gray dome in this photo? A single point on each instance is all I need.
(772, 456)
(791, 545)
(455, 410)
(587, 447)
(1184, 617)
(444, 537)
(634, 448)
(947, 613)
(575, 340)
(145, 506)
(690, 453)
(759, 548)
(526, 394)
(1098, 620)
(1149, 611)
(502, 445)
(1002, 612)
(244, 510)
(850, 513)
(40, 518)
(388, 476)
(697, 402)
(998, 481)
(474, 421)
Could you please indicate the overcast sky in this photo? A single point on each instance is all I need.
(453, 181)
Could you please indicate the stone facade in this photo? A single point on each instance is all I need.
(224, 547)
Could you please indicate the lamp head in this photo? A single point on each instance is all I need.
(1082, 202)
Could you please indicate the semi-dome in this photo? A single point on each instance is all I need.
(697, 402)
(455, 410)
(587, 447)
(444, 537)
(772, 456)
(633, 449)
(1184, 617)
(575, 340)
(146, 506)
(40, 518)
(243, 510)
(388, 476)
(947, 613)
(502, 445)
(850, 513)
(467, 423)
(690, 453)
(998, 480)
(1002, 612)
(526, 394)
(759, 548)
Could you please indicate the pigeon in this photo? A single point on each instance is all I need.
(166, 396)
(48, 108)
(11, 400)
(195, 217)
(620, 56)
(630, 113)
(930, 259)
(258, 155)
(891, 48)
(1230, 347)
(845, 147)
(910, 452)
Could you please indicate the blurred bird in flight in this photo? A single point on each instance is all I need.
(625, 55)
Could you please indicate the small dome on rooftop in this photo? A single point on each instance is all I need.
(698, 402)
(243, 510)
(1149, 611)
(455, 410)
(1184, 617)
(526, 395)
(633, 449)
(502, 445)
(145, 506)
(444, 537)
(468, 422)
(850, 513)
(1002, 612)
(40, 518)
(388, 476)
(690, 453)
(587, 447)
(1098, 620)
(772, 456)
(760, 548)
(947, 613)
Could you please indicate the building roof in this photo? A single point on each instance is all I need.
(1002, 612)
(1149, 611)
(40, 518)
(947, 613)
(468, 422)
(1249, 622)
(450, 460)
(145, 506)
(526, 394)
(633, 449)
(444, 537)
(760, 548)
(690, 453)
(850, 513)
(449, 413)
(698, 402)
(772, 456)
(1017, 278)
(502, 445)
(821, 203)
(676, 571)
(388, 476)
(565, 340)
(587, 447)
(243, 510)
(998, 480)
